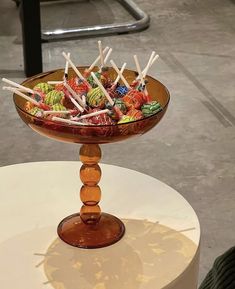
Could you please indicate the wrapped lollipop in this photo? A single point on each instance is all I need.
(79, 86)
(126, 119)
(100, 119)
(36, 111)
(121, 90)
(151, 108)
(135, 113)
(114, 111)
(41, 89)
(57, 110)
(53, 97)
(134, 99)
(96, 98)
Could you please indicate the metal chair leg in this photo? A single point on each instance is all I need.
(142, 21)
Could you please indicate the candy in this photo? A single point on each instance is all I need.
(126, 119)
(92, 98)
(78, 85)
(58, 107)
(43, 87)
(39, 96)
(96, 98)
(36, 111)
(151, 108)
(103, 78)
(112, 92)
(91, 81)
(121, 90)
(54, 97)
(120, 104)
(135, 113)
(134, 99)
(101, 119)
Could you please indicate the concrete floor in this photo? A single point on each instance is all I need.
(193, 149)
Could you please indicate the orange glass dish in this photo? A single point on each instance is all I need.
(91, 228)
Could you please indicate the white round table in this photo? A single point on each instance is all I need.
(160, 248)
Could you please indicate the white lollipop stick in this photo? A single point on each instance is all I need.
(76, 104)
(101, 53)
(73, 66)
(139, 70)
(92, 114)
(25, 89)
(74, 94)
(149, 62)
(106, 58)
(55, 81)
(66, 67)
(84, 99)
(107, 55)
(56, 112)
(102, 88)
(26, 97)
(97, 59)
(120, 74)
(121, 71)
(146, 70)
(66, 120)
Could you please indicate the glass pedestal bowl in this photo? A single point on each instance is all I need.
(90, 228)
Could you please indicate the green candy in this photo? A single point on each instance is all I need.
(121, 105)
(36, 111)
(53, 97)
(151, 108)
(91, 80)
(58, 107)
(43, 87)
(126, 118)
(96, 98)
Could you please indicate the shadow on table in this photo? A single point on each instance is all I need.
(139, 260)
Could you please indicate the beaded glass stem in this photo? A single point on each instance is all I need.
(90, 228)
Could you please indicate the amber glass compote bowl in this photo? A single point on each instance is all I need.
(90, 228)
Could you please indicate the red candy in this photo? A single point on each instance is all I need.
(80, 87)
(135, 113)
(101, 119)
(134, 99)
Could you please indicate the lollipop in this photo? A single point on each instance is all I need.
(135, 113)
(126, 119)
(96, 98)
(100, 119)
(121, 105)
(79, 86)
(134, 99)
(43, 87)
(121, 90)
(36, 111)
(58, 107)
(151, 108)
(54, 97)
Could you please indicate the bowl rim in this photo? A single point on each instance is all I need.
(43, 74)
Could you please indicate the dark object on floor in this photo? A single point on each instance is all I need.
(17, 2)
(222, 274)
(31, 30)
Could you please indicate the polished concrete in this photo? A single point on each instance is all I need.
(193, 148)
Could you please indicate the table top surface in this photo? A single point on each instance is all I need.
(161, 240)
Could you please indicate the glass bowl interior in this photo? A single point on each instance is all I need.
(92, 133)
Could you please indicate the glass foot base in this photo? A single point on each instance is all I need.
(73, 231)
